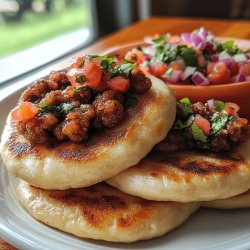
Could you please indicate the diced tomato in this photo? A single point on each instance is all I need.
(78, 63)
(245, 69)
(202, 123)
(119, 83)
(93, 73)
(175, 66)
(231, 108)
(135, 56)
(75, 74)
(24, 111)
(159, 70)
(220, 74)
(90, 75)
(235, 68)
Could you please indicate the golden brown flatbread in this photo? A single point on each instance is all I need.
(235, 202)
(71, 165)
(186, 176)
(103, 212)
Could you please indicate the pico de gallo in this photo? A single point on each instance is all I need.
(214, 126)
(195, 58)
(93, 93)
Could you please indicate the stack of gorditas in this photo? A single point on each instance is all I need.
(88, 147)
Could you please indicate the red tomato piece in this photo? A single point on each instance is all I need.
(245, 69)
(159, 70)
(78, 63)
(220, 74)
(93, 74)
(75, 74)
(202, 123)
(90, 75)
(24, 111)
(119, 83)
(231, 108)
(135, 56)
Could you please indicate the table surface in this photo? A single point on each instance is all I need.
(147, 27)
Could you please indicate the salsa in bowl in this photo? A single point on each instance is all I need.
(216, 68)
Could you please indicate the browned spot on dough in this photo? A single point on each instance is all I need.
(100, 204)
(222, 163)
(17, 147)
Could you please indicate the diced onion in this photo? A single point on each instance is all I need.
(186, 37)
(240, 58)
(211, 104)
(175, 76)
(199, 79)
(187, 73)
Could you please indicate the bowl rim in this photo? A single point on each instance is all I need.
(180, 85)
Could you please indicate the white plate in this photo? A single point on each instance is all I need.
(206, 230)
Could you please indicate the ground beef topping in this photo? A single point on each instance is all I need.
(91, 94)
(214, 125)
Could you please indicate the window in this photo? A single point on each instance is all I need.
(34, 32)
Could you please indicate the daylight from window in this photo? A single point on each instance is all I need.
(25, 23)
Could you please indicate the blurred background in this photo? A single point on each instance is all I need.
(34, 33)
(25, 23)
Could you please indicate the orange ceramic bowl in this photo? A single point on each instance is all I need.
(230, 92)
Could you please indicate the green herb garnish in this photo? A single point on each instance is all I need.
(228, 46)
(219, 106)
(185, 100)
(188, 55)
(181, 125)
(185, 108)
(168, 73)
(159, 41)
(80, 78)
(198, 134)
(218, 122)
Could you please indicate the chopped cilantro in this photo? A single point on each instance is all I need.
(56, 110)
(168, 72)
(219, 106)
(80, 78)
(67, 107)
(124, 69)
(185, 100)
(228, 46)
(80, 90)
(198, 134)
(159, 41)
(180, 124)
(43, 105)
(188, 55)
(185, 108)
(218, 122)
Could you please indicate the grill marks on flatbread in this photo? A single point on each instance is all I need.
(235, 202)
(103, 212)
(188, 175)
(64, 165)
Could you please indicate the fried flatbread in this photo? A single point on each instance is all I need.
(186, 176)
(103, 212)
(71, 165)
(235, 202)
